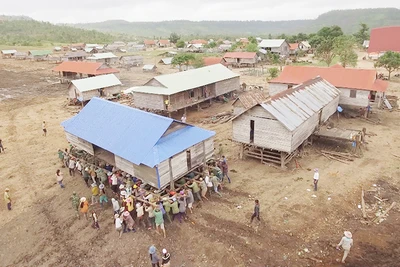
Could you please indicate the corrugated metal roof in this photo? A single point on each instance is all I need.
(102, 56)
(167, 60)
(271, 43)
(93, 83)
(247, 55)
(294, 106)
(40, 52)
(250, 98)
(148, 67)
(132, 134)
(76, 54)
(8, 52)
(186, 80)
(93, 68)
(149, 90)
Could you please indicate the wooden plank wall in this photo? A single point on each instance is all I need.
(179, 164)
(329, 109)
(151, 101)
(147, 174)
(80, 143)
(196, 154)
(112, 90)
(361, 99)
(305, 130)
(89, 94)
(163, 172)
(209, 147)
(124, 165)
(227, 86)
(71, 91)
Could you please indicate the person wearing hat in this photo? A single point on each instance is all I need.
(155, 260)
(75, 203)
(95, 193)
(140, 214)
(346, 243)
(118, 225)
(159, 220)
(166, 258)
(316, 178)
(7, 198)
(150, 215)
(189, 199)
(86, 175)
(78, 166)
(203, 188)
(102, 194)
(114, 183)
(71, 166)
(128, 221)
(130, 206)
(84, 207)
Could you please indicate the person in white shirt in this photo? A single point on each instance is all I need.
(71, 166)
(208, 182)
(78, 166)
(114, 183)
(183, 119)
(316, 178)
(118, 224)
(346, 242)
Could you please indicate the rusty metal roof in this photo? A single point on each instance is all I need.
(250, 98)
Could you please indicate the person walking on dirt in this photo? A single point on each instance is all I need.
(159, 220)
(60, 178)
(103, 195)
(84, 207)
(316, 178)
(215, 182)
(7, 198)
(85, 176)
(166, 258)
(61, 158)
(44, 128)
(128, 221)
(118, 225)
(155, 260)
(224, 167)
(75, 203)
(95, 223)
(115, 205)
(95, 193)
(1, 146)
(140, 214)
(346, 243)
(256, 213)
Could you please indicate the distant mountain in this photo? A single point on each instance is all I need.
(348, 20)
(25, 31)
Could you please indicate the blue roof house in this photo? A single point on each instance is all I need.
(156, 149)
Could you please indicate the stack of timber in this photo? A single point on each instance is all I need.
(375, 208)
(220, 118)
(339, 156)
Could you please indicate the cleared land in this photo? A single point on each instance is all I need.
(42, 230)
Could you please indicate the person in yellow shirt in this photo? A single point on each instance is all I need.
(7, 198)
(95, 193)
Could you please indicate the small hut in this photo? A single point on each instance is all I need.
(21, 55)
(39, 55)
(8, 53)
(149, 68)
(107, 58)
(130, 61)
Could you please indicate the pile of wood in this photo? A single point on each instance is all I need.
(220, 118)
(342, 157)
(380, 208)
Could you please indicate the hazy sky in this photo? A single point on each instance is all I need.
(74, 11)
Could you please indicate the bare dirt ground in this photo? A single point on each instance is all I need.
(296, 229)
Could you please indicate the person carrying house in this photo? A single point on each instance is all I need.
(195, 188)
(346, 243)
(103, 196)
(159, 220)
(95, 193)
(71, 166)
(183, 119)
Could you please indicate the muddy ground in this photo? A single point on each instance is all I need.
(296, 228)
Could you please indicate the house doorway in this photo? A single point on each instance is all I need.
(188, 159)
(251, 131)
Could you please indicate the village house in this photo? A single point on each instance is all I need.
(198, 41)
(98, 86)
(224, 47)
(39, 54)
(276, 46)
(138, 47)
(156, 149)
(273, 131)
(149, 68)
(359, 88)
(107, 58)
(247, 100)
(172, 92)
(293, 48)
(208, 61)
(164, 43)
(150, 43)
(79, 46)
(8, 53)
(384, 39)
(195, 48)
(129, 61)
(72, 70)
(21, 55)
(166, 61)
(112, 48)
(91, 50)
(240, 59)
(304, 46)
(75, 56)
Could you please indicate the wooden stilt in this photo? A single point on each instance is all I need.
(241, 152)
(198, 107)
(283, 159)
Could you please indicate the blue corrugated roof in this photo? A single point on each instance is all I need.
(132, 134)
(175, 143)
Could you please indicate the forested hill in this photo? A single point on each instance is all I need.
(25, 31)
(348, 20)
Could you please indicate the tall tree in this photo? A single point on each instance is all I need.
(326, 52)
(182, 60)
(252, 40)
(174, 37)
(362, 34)
(390, 61)
(180, 44)
(344, 48)
(251, 47)
(330, 32)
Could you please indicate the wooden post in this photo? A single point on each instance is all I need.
(241, 152)
(282, 159)
(171, 176)
(198, 107)
(262, 154)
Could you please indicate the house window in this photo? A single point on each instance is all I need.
(191, 93)
(353, 93)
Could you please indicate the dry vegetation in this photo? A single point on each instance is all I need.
(296, 230)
